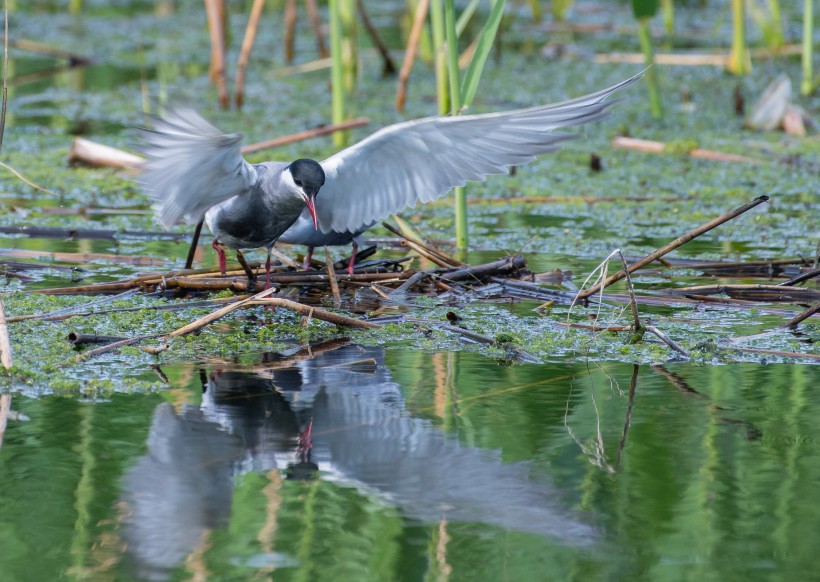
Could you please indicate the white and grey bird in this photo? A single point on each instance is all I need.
(196, 173)
(194, 168)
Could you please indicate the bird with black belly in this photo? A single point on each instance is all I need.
(196, 173)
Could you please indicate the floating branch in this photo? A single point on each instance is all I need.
(659, 147)
(768, 293)
(90, 153)
(803, 316)
(675, 244)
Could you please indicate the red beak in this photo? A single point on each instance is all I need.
(311, 206)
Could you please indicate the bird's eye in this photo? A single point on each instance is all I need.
(297, 182)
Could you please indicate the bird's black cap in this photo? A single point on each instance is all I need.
(308, 174)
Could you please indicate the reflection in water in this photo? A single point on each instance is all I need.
(362, 436)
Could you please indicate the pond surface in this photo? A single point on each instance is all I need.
(360, 463)
(288, 451)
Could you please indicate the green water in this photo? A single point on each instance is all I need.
(432, 458)
(530, 472)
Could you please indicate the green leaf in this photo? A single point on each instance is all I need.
(482, 52)
(644, 8)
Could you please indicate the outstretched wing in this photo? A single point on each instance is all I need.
(421, 160)
(192, 166)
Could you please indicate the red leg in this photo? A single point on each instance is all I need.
(267, 270)
(220, 254)
(352, 258)
(305, 442)
(308, 258)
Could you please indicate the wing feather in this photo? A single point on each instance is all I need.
(192, 166)
(422, 160)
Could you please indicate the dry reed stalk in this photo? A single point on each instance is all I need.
(429, 249)
(303, 135)
(215, 10)
(316, 23)
(331, 274)
(410, 53)
(317, 312)
(218, 314)
(5, 343)
(90, 153)
(681, 240)
(696, 59)
(778, 353)
(245, 51)
(290, 30)
(659, 147)
(388, 67)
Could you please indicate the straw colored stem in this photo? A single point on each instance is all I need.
(245, 51)
(290, 30)
(410, 54)
(5, 344)
(214, 12)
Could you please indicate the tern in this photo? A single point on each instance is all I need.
(198, 174)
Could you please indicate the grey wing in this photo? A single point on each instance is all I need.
(421, 160)
(192, 166)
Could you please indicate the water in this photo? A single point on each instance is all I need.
(442, 466)
(421, 464)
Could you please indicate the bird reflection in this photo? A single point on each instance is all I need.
(339, 415)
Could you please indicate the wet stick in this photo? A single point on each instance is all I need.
(331, 274)
(804, 315)
(674, 244)
(218, 314)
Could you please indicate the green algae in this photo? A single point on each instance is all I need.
(593, 212)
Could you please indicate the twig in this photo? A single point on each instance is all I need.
(771, 352)
(316, 22)
(317, 312)
(410, 54)
(674, 244)
(767, 293)
(428, 249)
(303, 135)
(804, 315)
(290, 29)
(633, 305)
(654, 330)
(800, 278)
(388, 68)
(658, 147)
(215, 12)
(111, 347)
(5, 344)
(331, 274)
(79, 339)
(514, 263)
(19, 175)
(245, 51)
(218, 314)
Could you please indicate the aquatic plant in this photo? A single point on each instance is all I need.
(644, 11)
